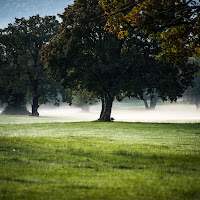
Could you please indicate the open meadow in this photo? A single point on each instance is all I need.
(99, 100)
(97, 160)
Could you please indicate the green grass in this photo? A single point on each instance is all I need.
(94, 160)
(23, 119)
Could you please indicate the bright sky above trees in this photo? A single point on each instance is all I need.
(9, 9)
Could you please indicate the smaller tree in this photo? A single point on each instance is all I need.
(155, 78)
(23, 70)
(12, 88)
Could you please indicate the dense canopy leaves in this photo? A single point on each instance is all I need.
(175, 23)
(155, 76)
(86, 56)
(22, 70)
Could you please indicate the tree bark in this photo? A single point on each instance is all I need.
(106, 107)
(35, 106)
(102, 108)
(197, 103)
(154, 101)
(145, 103)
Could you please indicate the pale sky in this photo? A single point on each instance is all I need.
(9, 9)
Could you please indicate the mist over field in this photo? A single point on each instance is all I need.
(122, 112)
(129, 112)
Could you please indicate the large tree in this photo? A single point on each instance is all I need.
(86, 56)
(175, 23)
(22, 43)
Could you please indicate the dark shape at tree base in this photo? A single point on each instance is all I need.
(36, 114)
(13, 110)
(102, 120)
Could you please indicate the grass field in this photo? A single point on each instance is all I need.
(94, 160)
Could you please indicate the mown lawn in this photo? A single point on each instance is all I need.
(94, 160)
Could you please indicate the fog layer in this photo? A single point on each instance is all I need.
(126, 112)
(176, 113)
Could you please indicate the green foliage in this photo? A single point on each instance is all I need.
(22, 68)
(151, 75)
(11, 85)
(100, 161)
(83, 99)
(175, 23)
(85, 56)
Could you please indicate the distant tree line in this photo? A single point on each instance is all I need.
(81, 60)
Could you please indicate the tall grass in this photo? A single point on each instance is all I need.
(92, 160)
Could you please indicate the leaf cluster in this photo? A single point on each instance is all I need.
(174, 23)
(22, 70)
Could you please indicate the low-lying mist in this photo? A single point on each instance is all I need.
(127, 112)
(174, 112)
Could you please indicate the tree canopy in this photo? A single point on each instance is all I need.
(175, 23)
(85, 56)
(21, 68)
(155, 76)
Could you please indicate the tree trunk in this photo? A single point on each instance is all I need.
(197, 102)
(35, 106)
(145, 103)
(106, 108)
(154, 101)
(102, 108)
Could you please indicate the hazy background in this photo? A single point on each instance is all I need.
(9, 9)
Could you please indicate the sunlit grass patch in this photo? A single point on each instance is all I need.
(100, 161)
